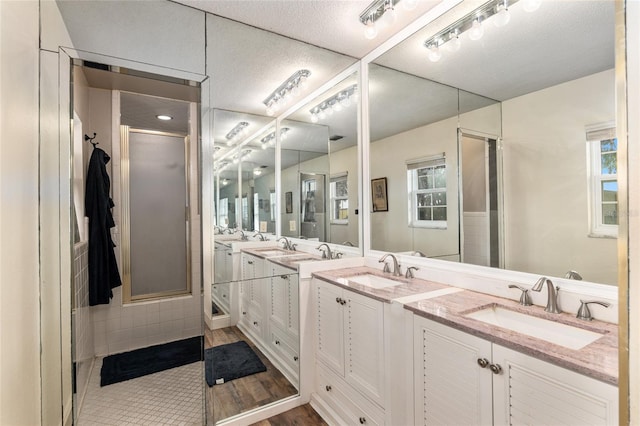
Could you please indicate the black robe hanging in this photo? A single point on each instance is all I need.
(103, 269)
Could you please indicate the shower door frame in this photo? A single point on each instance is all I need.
(126, 223)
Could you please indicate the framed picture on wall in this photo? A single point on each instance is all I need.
(288, 202)
(379, 195)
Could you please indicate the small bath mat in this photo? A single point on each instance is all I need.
(231, 361)
(153, 359)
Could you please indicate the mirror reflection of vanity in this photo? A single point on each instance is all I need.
(531, 202)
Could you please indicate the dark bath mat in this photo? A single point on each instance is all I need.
(231, 361)
(140, 362)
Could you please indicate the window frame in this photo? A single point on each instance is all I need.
(595, 136)
(413, 166)
(223, 212)
(333, 198)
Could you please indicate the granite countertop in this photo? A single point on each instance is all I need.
(598, 360)
(268, 251)
(408, 287)
(292, 261)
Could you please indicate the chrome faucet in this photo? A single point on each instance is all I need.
(573, 275)
(260, 236)
(418, 253)
(552, 294)
(347, 243)
(409, 272)
(287, 244)
(243, 236)
(326, 254)
(396, 265)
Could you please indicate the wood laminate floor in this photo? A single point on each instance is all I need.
(246, 393)
(304, 415)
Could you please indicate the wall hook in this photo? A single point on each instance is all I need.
(90, 139)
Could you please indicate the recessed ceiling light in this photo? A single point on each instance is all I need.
(164, 117)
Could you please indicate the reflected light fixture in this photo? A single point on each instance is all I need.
(383, 11)
(164, 117)
(342, 99)
(473, 23)
(225, 182)
(238, 132)
(290, 88)
(270, 139)
(530, 5)
(434, 54)
(257, 172)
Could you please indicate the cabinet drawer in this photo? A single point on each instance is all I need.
(251, 321)
(284, 348)
(280, 270)
(352, 407)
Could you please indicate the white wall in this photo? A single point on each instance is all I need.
(545, 179)
(390, 230)
(19, 279)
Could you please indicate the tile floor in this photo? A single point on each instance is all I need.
(171, 397)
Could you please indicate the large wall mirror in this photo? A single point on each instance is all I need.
(319, 167)
(504, 149)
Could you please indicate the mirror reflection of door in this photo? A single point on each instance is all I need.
(480, 234)
(312, 206)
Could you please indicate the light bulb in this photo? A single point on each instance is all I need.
(434, 53)
(314, 118)
(476, 31)
(454, 43)
(229, 142)
(502, 17)
(264, 146)
(409, 4)
(345, 102)
(257, 172)
(336, 107)
(370, 31)
(530, 5)
(303, 83)
(295, 91)
(283, 136)
(329, 111)
(389, 16)
(322, 115)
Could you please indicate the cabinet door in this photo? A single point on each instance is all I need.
(450, 386)
(530, 391)
(329, 326)
(364, 345)
(293, 318)
(279, 294)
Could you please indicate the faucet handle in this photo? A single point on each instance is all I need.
(584, 313)
(409, 272)
(386, 268)
(525, 300)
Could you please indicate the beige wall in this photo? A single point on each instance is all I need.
(545, 180)
(19, 285)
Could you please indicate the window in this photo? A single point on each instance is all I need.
(427, 183)
(272, 202)
(245, 213)
(256, 211)
(603, 181)
(339, 193)
(223, 212)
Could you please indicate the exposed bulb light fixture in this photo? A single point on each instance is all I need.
(335, 103)
(164, 117)
(503, 16)
(270, 139)
(473, 24)
(477, 31)
(384, 11)
(530, 5)
(434, 54)
(237, 133)
(454, 43)
(290, 88)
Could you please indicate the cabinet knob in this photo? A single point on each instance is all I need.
(337, 300)
(277, 342)
(328, 388)
(224, 295)
(295, 358)
(483, 362)
(362, 420)
(229, 254)
(343, 302)
(244, 312)
(284, 277)
(250, 262)
(495, 368)
(255, 323)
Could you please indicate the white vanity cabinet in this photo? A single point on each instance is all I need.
(463, 379)
(349, 342)
(252, 314)
(284, 319)
(221, 295)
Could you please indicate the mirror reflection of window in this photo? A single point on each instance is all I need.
(272, 202)
(309, 200)
(224, 212)
(603, 187)
(427, 180)
(339, 193)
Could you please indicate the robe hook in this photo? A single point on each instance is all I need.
(90, 139)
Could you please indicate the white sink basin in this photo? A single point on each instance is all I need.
(274, 252)
(550, 331)
(369, 280)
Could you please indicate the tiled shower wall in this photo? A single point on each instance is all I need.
(84, 346)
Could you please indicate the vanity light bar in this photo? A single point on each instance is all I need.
(334, 103)
(472, 21)
(375, 10)
(271, 137)
(238, 130)
(291, 87)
